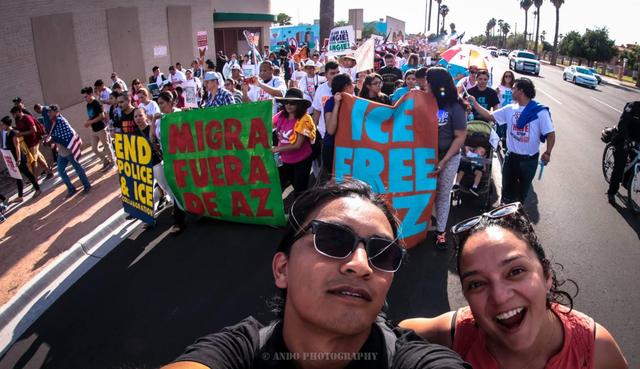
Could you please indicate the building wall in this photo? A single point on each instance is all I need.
(394, 25)
(244, 6)
(95, 54)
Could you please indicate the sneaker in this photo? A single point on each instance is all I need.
(49, 176)
(441, 241)
(70, 193)
(473, 191)
(611, 197)
(17, 200)
(2, 218)
(86, 190)
(129, 217)
(3, 208)
(36, 194)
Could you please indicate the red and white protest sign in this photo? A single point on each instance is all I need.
(11, 164)
(202, 40)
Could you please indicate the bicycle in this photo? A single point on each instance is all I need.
(631, 173)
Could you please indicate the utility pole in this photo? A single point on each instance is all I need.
(429, 23)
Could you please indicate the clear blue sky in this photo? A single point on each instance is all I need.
(619, 16)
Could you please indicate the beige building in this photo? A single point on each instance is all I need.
(51, 49)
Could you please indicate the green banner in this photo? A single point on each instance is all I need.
(218, 163)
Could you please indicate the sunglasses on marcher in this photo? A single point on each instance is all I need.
(339, 242)
(461, 230)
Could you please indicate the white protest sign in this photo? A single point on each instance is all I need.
(190, 96)
(10, 162)
(159, 51)
(364, 55)
(341, 39)
(377, 39)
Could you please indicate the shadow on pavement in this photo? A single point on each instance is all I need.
(632, 219)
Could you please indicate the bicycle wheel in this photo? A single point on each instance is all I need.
(607, 162)
(633, 194)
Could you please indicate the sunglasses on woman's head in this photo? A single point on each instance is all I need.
(462, 229)
(339, 242)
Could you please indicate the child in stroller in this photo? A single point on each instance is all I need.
(474, 166)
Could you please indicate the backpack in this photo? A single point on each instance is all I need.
(390, 337)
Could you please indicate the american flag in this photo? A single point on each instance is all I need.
(63, 134)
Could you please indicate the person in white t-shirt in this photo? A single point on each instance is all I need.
(298, 74)
(176, 77)
(323, 93)
(467, 82)
(115, 79)
(310, 82)
(266, 87)
(151, 107)
(528, 125)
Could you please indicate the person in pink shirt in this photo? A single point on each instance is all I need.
(518, 317)
(295, 132)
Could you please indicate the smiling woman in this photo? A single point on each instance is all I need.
(517, 315)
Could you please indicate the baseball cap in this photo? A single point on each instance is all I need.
(17, 99)
(210, 76)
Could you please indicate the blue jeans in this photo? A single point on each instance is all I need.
(517, 174)
(62, 171)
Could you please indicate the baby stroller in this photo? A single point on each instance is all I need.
(479, 134)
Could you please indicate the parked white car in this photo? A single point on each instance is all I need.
(580, 76)
(524, 61)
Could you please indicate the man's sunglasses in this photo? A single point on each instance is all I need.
(339, 242)
(462, 229)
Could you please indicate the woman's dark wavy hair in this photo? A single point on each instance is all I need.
(314, 198)
(521, 227)
(364, 92)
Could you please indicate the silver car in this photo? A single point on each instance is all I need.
(580, 76)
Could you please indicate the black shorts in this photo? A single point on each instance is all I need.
(469, 168)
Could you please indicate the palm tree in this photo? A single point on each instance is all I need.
(438, 17)
(554, 55)
(506, 27)
(444, 10)
(429, 17)
(537, 4)
(526, 4)
(500, 22)
(326, 19)
(492, 26)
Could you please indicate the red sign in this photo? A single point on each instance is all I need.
(393, 149)
(202, 40)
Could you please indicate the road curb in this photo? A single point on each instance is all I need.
(34, 298)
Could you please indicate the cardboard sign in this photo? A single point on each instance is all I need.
(135, 168)
(393, 149)
(154, 89)
(11, 164)
(364, 55)
(159, 51)
(202, 40)
(218, 163)
(190, 96)
(341, 39)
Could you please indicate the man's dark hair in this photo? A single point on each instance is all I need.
(389, 56)
(422, 72)
(331, 65)
(340, 82)
(155, 68)
(179, 90)
(178, 63)
(171, 67)
(116, 85)
(481, 72)
(98, 83)
(527, 87)
(15, 109)
(166, 96)
(316, 197)
(115, 94)
(210, 64)
(87, 90)
(6, 120)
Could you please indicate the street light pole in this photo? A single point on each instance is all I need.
(429, 22)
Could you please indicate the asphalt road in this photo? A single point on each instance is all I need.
(153, 295)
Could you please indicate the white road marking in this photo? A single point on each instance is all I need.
(551, 97)
(605, 104)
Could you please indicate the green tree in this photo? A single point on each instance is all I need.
(500, 23)
(505, 29)
(554, 55)
(444, 10)
(283, 19)
(526, 4)
(546, 46)
(326, 19)
(537, 4)
(368, 30)
(341, 23)
(571, 45)
(478, 40)
(597, 46)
